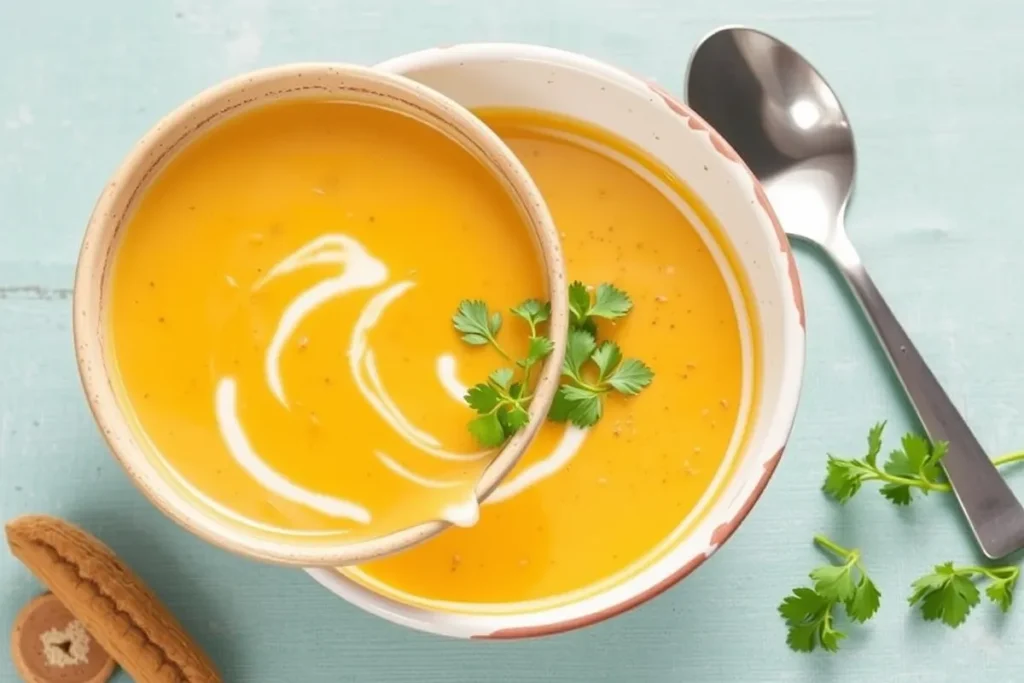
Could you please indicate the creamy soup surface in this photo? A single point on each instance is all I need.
(280, 307)
(587, 506)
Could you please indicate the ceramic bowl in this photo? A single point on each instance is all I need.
(548, 80)
(172, 494)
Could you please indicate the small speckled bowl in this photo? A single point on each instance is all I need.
(185, 505)
(730, 203)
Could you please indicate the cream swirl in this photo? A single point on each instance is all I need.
(359, 270)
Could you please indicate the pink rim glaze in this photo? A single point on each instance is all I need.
(545, 79)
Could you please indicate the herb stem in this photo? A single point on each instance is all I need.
(994, 573)
(590, 387)
(929, 485)
(926, 484)
(497, 346)
(1008, 458)
(826, 543)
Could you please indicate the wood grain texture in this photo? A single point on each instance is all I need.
(935, 90)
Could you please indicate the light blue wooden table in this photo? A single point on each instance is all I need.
(935, 89)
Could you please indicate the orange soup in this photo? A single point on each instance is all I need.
(280, 309)
(587, 507)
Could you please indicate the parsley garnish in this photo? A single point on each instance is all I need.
(590, 370)
(949, 593)
(915, 465)
(501, 403)
(809, 613)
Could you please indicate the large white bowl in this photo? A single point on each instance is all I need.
(538, 78)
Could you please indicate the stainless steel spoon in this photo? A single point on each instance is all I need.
(785, 122)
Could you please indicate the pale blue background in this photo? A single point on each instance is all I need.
(935, 90)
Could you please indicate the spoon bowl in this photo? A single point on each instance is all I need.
(783, 119)
(780, 115)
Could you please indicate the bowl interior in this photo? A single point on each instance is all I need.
(170, 492)
(727, 202)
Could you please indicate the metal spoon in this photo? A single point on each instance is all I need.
(788, 126)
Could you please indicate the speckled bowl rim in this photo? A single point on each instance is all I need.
(573, 616)
(172, 133)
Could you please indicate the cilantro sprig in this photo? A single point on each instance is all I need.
(949, 593)
(478, 325)
(590, 371)
(500, 402)
(810, 613)
(913, 466)
(608, 302)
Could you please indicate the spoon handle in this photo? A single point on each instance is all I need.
(994, 513)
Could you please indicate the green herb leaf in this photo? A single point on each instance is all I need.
(947, 593)
(517, 418)
(1001, 594)
(487, 430)
(475, 339)
(808, 615)
(574, 393)
(539, 348)
(579, 302)
(579, 349)
(611, 302)
(899, 494)
(483, 398)
(587, 325)
(865, 601)
(502, 377)
(630, 377)
(874, 443)
(844, 478)
(560, 406)
(809, 611)
(914, 466)
(472, 319)
(607, 357)
(584, 405)
(834, 583)
(586, 412)
(533, 311)
(1000, 591)
(504, 401)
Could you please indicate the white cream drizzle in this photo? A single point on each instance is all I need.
(446, 374)
(406, 473)
(243, 452)
(567, 448)
(361, 362)
(360, 271)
